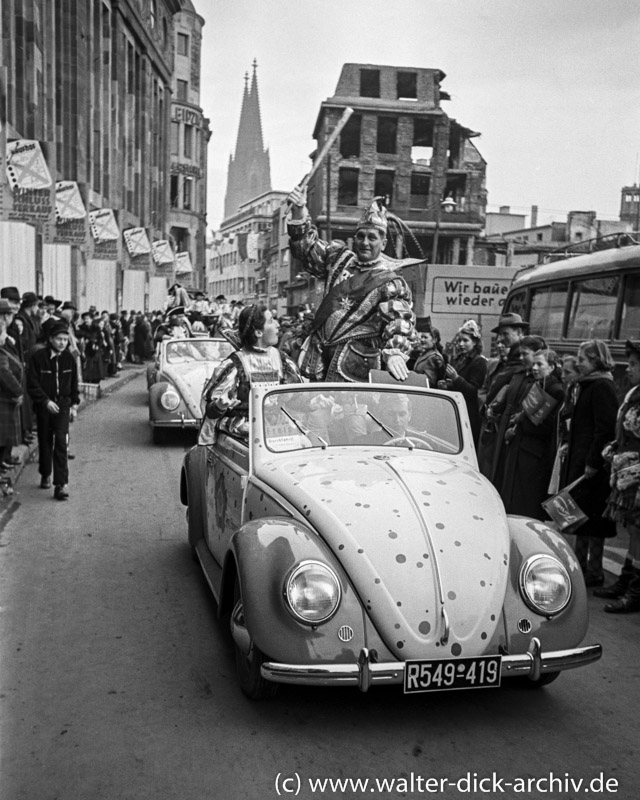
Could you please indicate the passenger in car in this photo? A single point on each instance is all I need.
(258, 361)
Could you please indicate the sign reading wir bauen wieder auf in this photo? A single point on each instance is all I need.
(479, 295)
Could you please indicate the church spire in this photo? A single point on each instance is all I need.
(249, 172)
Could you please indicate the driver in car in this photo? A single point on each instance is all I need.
(390, 420)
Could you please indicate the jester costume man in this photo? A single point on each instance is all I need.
(366, 316)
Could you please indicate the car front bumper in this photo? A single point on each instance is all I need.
(183, 422)
(367, 672)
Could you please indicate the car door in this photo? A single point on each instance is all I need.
(226, 476)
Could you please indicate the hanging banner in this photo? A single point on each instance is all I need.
(183, 263)
(105, 234)
(71, 216)
(29, 179)
(138, 248)
(163, 258)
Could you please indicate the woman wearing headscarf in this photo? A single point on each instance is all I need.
(591, 427)
(623, 505)
(258, 360)
(468, 371)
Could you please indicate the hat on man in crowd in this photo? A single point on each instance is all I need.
(199, 294)
(51, 301)
(69, 304)
(5, 306)
(10, 293)
(510, 321)
(53, 326)
(29, 299)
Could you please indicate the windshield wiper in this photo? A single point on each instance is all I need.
(304, 431)
(390, 433)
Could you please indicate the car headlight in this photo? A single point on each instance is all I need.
(545, 584)
(312, 591)
(170, 400)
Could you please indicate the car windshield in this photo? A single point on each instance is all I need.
(309, 417)
(181, 351)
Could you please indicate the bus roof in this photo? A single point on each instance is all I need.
(600, 261)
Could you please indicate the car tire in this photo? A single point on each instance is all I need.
(248, 665)
(159, 435)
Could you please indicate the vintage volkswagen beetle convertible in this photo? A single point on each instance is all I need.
(176, 378)
(345, 560)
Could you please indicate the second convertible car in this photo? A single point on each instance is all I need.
(351, 541)
(176, 380)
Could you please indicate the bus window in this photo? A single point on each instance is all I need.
(547, 310)
(593, 308)
(517, 304)
(630, 322)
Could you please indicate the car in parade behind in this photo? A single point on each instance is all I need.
(176, 378)
(345, 552)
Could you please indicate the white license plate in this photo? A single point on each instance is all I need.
(439, 674)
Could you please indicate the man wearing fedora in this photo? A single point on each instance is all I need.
(509, 331)
(53, 387)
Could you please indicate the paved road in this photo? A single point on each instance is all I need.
(117, 682)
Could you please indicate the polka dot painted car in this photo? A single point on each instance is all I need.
(175, 380)
(352, 542)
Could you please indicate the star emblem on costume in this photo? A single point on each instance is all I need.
(346, 304)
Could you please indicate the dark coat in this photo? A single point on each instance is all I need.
(593, 425)
(53, 378)
(471, 371)
(529, 461)
(11, 390)
(493, 428)
(30, 333)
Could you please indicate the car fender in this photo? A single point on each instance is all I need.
(263, 552)
(192, 492)
(564, 630)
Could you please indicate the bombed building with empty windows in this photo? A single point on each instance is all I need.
(400, 143)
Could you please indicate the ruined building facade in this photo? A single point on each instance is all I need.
(400, 143)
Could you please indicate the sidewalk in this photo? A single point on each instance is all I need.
(89, 394)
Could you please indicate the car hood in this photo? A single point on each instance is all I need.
(423, 538)
(189, 379)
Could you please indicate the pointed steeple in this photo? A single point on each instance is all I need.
(249, 172)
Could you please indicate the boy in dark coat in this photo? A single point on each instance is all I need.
(53, 387)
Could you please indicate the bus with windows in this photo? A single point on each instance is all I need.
(589, 295)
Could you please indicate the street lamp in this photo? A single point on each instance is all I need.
(447, 205)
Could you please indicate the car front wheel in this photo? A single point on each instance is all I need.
(248, 655)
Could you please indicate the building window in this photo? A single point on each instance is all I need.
(174, 191)
(188, 141)
(153, 13)
(182, 89)
(369, 83)
(420, 185)
(182, 44)
(407, 85)
(350, 137)
(348, 187)
(383, 186)
(187, 193)
(175, 138)
(422, 146)
(387, 134)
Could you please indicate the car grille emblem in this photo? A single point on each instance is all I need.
(345, 634)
